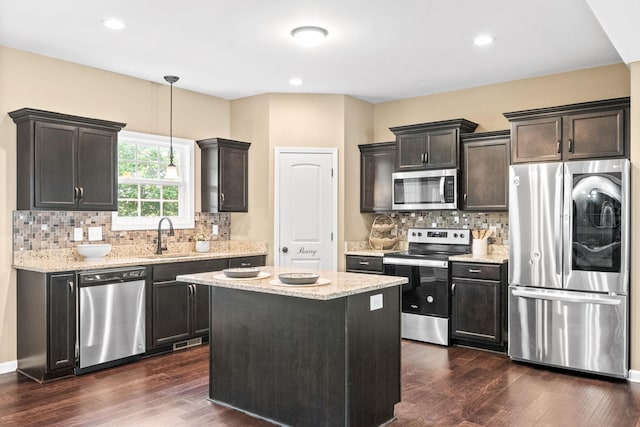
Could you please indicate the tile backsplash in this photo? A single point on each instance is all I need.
(452, 219)
(39, 230)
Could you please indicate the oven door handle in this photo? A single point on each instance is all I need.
(412, 262)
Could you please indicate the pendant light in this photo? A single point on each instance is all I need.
(172, 170)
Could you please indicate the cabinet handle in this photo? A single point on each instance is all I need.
(80, 193)
(453, 287)
(571, 145)
(364, 262)
(70, 283)
(75, 193)
(475, 270)
(422, 158)
(465, 198)
(558, 146)
(245, 264)
(426, 158)
(221, 199)
(191, 290)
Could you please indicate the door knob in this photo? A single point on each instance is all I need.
(285, 250)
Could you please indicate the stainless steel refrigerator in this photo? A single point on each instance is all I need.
(569, 265)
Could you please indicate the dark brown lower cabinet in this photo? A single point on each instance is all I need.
(306, 362)
(479, 305)
(180, 311)
(46, 305)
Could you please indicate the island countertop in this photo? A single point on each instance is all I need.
(340, 284)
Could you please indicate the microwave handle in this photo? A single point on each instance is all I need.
(442, 181)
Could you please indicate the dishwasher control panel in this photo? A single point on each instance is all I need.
(112, 275)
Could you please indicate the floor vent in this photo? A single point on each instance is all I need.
(188, 343)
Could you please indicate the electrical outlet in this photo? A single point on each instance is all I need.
(44, 227)
(95, 233)
(375, 302)
(214, 229)
(78, 235)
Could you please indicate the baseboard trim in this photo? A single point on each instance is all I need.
(634, 376)
(11, 366)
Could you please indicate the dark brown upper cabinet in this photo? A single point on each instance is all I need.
(377, 163)
(485, 171)
(589, 130)
(66, 162)
(432, 145)
(225, 165)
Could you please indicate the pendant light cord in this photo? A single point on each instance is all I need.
(171, 80)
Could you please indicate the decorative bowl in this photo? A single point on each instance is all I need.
(244, 272)
(94, 252)
(298, 278)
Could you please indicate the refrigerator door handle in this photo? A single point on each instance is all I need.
(557, 235)
(591, 299)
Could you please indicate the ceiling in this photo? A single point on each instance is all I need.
(377, 50)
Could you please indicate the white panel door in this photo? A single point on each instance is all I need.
(306, 209)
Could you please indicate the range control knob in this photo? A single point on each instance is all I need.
(419, 234)
(413, 234)
(462, 235)
(455, 235)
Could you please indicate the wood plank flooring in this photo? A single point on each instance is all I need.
(441, 386)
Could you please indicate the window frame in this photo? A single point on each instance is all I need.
(182, 148)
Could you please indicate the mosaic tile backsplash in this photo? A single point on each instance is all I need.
(452, 219)
(40, 230)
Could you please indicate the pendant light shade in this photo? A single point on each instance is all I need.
(172, 169)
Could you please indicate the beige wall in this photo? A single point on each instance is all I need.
(635, 219)
(296, 120)
(28, 80)
(484, 105)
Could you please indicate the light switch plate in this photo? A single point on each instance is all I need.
(95, 233)
(214, 229)
(77, 234)
(375, 302)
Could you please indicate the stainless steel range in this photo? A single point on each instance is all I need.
(426, 299)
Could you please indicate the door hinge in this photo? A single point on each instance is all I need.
(331, 172)
(332, 236)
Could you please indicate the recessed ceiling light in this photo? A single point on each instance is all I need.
(113, 23)
(295, 81)
(309, 36)
(483, 40)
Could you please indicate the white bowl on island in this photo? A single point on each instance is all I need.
(94, 252)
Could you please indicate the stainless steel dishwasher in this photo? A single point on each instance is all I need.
(111, 317)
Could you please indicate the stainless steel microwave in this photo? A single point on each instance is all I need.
(425, 190)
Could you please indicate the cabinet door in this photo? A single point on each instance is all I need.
(410, 153)
(485, 175)
(476, 310)
(61, 321)
(97, 174)
(233, 179)
(594, 135)
(200, 296)
(171, 312)
(536, 140)
(377, 163)
(55, 166)
(442, 149)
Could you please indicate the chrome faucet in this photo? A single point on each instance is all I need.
(171, 233)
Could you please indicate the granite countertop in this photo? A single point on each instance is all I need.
(489, 258)
(369, 252)
(69, 260)
(340, 284)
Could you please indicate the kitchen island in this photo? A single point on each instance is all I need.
(305, 355)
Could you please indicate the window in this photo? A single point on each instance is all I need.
(144, 194)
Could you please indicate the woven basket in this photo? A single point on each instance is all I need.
(383, 235)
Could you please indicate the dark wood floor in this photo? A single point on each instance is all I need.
(440, 387)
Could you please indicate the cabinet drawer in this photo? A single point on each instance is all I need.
(247, 261)
(367, 264)
(169, 271)
(475, 270)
